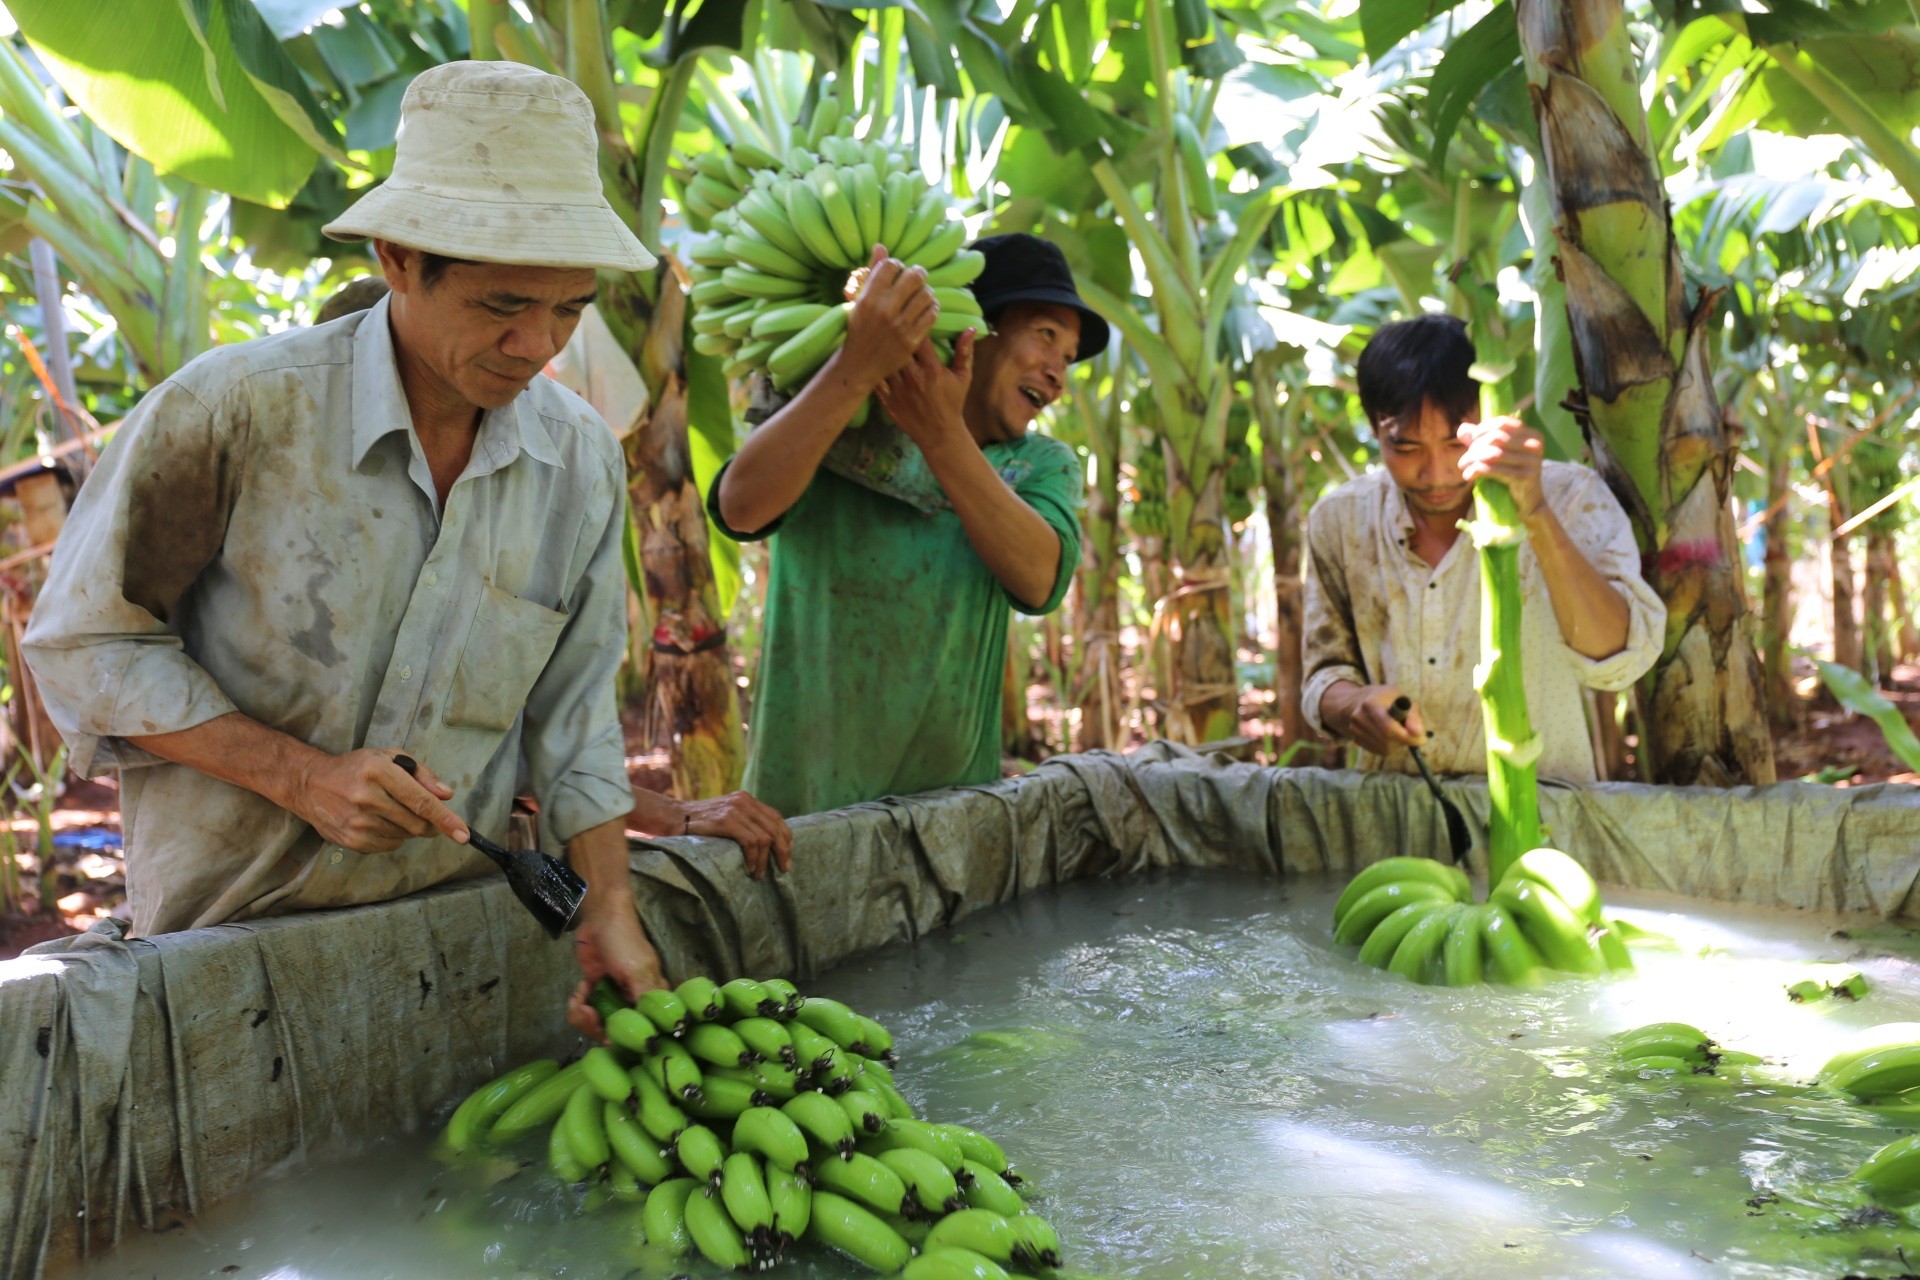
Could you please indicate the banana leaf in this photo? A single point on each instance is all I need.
(1853, 692)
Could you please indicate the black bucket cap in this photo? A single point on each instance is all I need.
(1024, 268)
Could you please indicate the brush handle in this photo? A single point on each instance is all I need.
(411, 768)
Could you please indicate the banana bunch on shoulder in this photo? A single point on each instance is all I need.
(741, 1118)
(1417, 917)
(770, 281)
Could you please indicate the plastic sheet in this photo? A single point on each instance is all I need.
(141, 1082)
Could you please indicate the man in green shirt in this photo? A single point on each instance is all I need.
(886, 624)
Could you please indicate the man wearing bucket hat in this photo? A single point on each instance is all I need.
(886, 622)
(306, 555)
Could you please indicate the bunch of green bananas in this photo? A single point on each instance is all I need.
(743, 1118)
(770, 281)
(1675, 1049)
(1836, 980)
(1418, 918)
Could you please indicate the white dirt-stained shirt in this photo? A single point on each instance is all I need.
(263, 535)
(1376, 613)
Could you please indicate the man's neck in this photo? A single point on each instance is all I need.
(1434, 534)
(445, 423)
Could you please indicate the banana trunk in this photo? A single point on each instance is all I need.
(1512, 746)
(1776, 590)
(1880, 571)
(1197, 615)
(1279, 432)
(1097, 590)
(1652, 417)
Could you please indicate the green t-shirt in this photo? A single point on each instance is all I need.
(885, 638)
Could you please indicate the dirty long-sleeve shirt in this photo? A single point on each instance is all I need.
(263, 536)
(1376, 613)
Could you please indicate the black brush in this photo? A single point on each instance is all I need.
(546, 886)
(1458, 837)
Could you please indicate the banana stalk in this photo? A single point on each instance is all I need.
(1097, 629)
(1279, 434)
(1642, 355)
(1512, 745)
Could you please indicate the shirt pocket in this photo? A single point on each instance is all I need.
(506, 649)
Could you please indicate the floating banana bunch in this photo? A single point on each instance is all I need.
(770, 280)
(743, 1118)
(1416, 917)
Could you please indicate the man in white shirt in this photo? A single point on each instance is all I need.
(306, 555)
(1393, 587)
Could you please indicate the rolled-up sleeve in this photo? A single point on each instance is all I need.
(102, 643)
(576, 755)
(1329, 645)
(1053, 491)
(1599, 527)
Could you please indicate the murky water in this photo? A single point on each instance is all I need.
(1203, 1086)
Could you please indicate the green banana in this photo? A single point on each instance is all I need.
(779, 322)
(1462, 960)
(875, 1040)
(928, 1181)
(664, 1216)
(1417, 958)
(766, 214)
(473, 1118)
(864, 1110)
(726, 1097)
(541, 1104)
(1378, 903)
(791, 1197)
(1613, 948)
(826, 119)
(700, 1152)
(634, 1148)
(788, 994)
(841, 1224)
(712, 193)
(1888, 1035)
(585, 1134)
(605, 1074)
(754, 156)
(713, 344)
(837, 203)
(1399, 870)
(897, 1106)
(795, 360)
(1662, 1064)
(658, 1114)
(957, 299)
(702, 999)
(823, 1121)
(1892, 1173)
(951, 324)
(743, 1190)
(752, 356)
(1387, 936)
(712, 164)
(1666, 1039)
(758, 284)
(710, 253)
(766, 1039)
(629, 1029)
(921, 1136)
(939, 246)
(737, 324)
(1880, 1073)
(928, 214)
(863, 186)
(988, 1190)
(1554, 870)
(663, 1008)
(623, 1184)
(960, 270)
(716, 1043)
(777, 1078)
(808, 218)
(897, 198)
(561, 1159)
(739, 176)
(947, 1263)
(864, 1178)
(772, 1134)
(1551, 925)
(713, 1233)
(746, 998)
(1035, 1245)
(1510, 957)
(675, 1070)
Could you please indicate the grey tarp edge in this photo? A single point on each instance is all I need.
(144, 1081)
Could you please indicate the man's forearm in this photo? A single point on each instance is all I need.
(239, 750)
(1019, 548)
(657, 815)
(1593, 616)
(599, 855)
(781, 455)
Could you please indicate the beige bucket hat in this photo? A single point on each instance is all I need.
(496, 162)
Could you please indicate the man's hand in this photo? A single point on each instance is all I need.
(761, 833)
(892, 315)
(611, 944)
(1364, 714)
(926, 399)
(1506, 449)
(363, 801)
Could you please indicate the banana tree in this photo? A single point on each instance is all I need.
(1099, 403)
